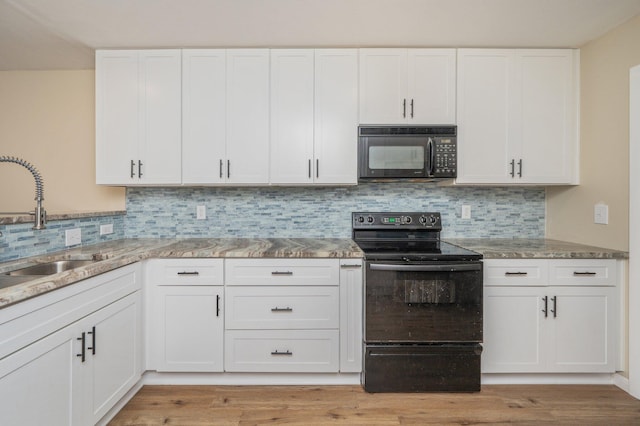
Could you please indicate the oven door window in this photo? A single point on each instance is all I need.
(423, 306)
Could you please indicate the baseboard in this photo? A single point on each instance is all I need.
(239, 379)
(120, 404)
(548, 379)
(621, 382)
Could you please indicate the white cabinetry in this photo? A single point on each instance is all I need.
(78, 352)
(138, 117)
(225, 116)
(517, 116)
(314, 116)
(555, 316)
(415, 86)
(186, 316)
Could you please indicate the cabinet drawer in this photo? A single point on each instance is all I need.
(282, 351)
(600, 272)
(187, 271)
(282, 271)
(283, 307)
(512, 272)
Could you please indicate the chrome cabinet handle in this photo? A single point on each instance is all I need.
(228, 169)
(140, 164)
(217, 305)
(404, 108)
(188, 273)
(513, 168)
(221, 168)
(411, 108)
(287, 309)
(354, 265)
(133, 164)
(585, 273)
(554, 299)
(509, 274)
(309, 168)
(281, 273)
(278, 353)
(317, 168)
(546, 305)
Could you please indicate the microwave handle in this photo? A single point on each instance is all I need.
(431, 155)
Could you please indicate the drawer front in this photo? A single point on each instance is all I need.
(599, 272)
(513, 272)
(282, 271)
(282, 351)
(187, 271)
(283, 307)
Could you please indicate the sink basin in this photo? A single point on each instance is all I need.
(50, 268)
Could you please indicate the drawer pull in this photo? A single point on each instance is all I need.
(511, 274)
(356, 265)
(276, 309)
(278, 353)
(189, 273)
(584, 274)
(281, 273)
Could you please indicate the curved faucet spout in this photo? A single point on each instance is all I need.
(39, 213)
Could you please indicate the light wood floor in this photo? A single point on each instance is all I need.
(350, 405)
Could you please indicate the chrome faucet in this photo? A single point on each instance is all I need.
(39, 213)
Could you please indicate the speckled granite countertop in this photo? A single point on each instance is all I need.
(506, 248)
(115, 254)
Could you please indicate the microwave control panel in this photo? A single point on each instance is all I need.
(445, 157)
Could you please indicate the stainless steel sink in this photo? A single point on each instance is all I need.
(50, 268)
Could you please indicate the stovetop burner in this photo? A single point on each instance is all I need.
(405, 237)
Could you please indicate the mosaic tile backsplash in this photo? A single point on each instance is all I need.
(18, 241)
(503, 212)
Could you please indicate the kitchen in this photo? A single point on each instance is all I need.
(61, 103)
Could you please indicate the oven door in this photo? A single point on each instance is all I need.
(423, 302)
(393, 157)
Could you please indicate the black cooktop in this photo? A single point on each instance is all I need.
(444, 252)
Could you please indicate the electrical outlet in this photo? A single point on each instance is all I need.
(201, 212)
(72, 237)
(601, 214)
(106, 229)
(465, 212)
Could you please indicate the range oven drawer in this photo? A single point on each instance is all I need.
(422, 368)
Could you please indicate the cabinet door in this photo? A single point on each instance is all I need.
(190, 322)
(161, 106)
(40, 384)
(547, 120)
(292, 115)
(117, 116)
(336, 116)
(203, 116)
(485, 107)
(584, 329)
(114, 354)
(351, 325)
(383, 86)
(431, 94)
(247, 116)
(513, 336)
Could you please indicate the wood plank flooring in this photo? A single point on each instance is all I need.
(350, 405)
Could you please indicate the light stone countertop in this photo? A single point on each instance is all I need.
(514, 248)
(115, 254)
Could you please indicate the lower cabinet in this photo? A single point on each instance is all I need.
(566, 323)
(75, 375)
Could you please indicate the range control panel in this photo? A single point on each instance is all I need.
(428, 220)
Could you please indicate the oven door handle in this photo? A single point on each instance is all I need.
(451, 267)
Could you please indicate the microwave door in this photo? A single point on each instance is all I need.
(392, 158)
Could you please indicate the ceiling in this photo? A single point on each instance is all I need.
(63, 34)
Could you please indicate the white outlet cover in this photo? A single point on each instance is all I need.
(106, 229)
(465, 212)
(601, 214)
(73, 237)
(201, 212)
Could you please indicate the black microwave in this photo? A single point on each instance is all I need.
(407, 152)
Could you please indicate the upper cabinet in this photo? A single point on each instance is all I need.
(517, 116)
(314, 105)
(225, 116)
(408, 86)
(138, 117)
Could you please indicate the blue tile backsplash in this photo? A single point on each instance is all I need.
(502, 212)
